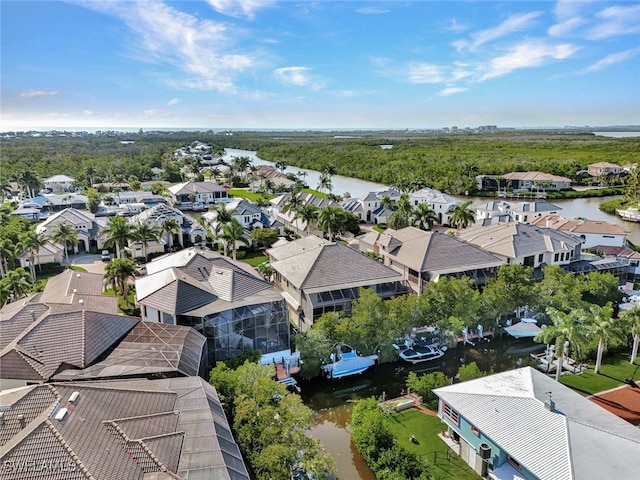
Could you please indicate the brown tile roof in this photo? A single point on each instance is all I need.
(54, 340)
(535, 176)
(172, 428)
(580, 226)
(150, 348)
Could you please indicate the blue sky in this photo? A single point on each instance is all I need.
(260, 64)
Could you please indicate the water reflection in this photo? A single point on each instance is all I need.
(332, 400)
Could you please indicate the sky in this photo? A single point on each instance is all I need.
(266, 64)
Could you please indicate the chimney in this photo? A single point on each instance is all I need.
(550, 404)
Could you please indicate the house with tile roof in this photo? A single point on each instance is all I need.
(225, 300)
(524, 244)
(58, 183)
(604, 168)
(317, 276)
(72, 331)
(277, 205)
(83, 222)
(535, 181)
(423, 257)
(185, 194)
(441, 203)
(248, 214)
(595, 233)
(191, 232)
(172, 428)
(521, 424)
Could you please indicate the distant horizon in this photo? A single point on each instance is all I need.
(590, 128)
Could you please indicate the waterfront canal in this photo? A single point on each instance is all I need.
(332, 400)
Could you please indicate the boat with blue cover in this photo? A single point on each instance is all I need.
(347, 363)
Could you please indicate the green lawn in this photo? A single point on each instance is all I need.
(254, 258)
(425, 428)
(242, 193)
(614, 371)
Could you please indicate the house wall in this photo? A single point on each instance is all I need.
(595, 239)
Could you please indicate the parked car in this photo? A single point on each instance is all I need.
(105, 256)
(141, 270)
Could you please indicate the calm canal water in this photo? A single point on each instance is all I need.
(332, 401)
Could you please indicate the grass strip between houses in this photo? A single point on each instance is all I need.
(429, 447)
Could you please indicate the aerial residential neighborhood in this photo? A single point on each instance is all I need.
(194, 300)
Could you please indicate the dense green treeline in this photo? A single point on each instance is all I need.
(450, 163)
(446, 162)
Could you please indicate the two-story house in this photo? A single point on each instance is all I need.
(594, 233)
(423, 257)
(206, 193)
(441, 203)
(317, 276)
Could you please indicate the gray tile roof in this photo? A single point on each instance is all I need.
(329, 265)
(437, 253)
(516, 240)
(121, 430)
(578, 440)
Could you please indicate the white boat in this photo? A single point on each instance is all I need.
(629, 214)
(526, 327)
(344, 364)
(421, 353)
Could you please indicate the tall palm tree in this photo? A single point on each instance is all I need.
(29, 182)
(17, 283)
(5, 190)
(331, 220)
(232, 233)
(117, 234)
(309, 213)
(462, 215)
(8, 252)
(293, 204)
(144, 232)
(118, 273)
(605, 328)
(67, 235)
(632, 320)
(567, 330)
(170, 225)
(31, 242)
(324, 182)
(424, 217)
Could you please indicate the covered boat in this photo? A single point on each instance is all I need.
(344, 364)
(524, 328)
(421, 353)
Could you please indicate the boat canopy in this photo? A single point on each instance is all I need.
(523, 329)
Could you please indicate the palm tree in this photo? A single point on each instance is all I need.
(5, 190)
(170, 225)
(331, 220)
(118, 273)
(324, 182)
(117, 233)
(293, 204)
(462, 216)
(232, 233)
(424, 217)
(387, 202)
(145, 232)
(31, 242)
(281, 165)
(8, 254)
(603, 326)
(564, 332)
(17, 283)
(309, 213)
(65, 234)
(632, 320)
(29, 182)
(265, 270)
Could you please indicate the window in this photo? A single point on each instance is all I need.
(475, 431)
(555, 257)
(540, 258)
(450, 413)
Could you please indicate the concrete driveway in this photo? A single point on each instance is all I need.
(90, 262)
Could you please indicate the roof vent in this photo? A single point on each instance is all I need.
(75, 290)
(78, 275)
(74, 397)
(550, 404)
(60, 414)
(81, 301)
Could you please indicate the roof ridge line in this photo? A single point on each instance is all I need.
(85, 471)
(160, 435)
(138, 417)
(602, 429)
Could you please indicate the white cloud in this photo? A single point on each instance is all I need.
(616, 21)
(239, 8)
(427, 73)
(297, 76)
(199, 48)
(512, 24)
(173, 101)
(527, 55)
(612, 59)
(451, 91)
(38, 93)
(456, 27)
(372, 11)
(88, 113)
(564, 28)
